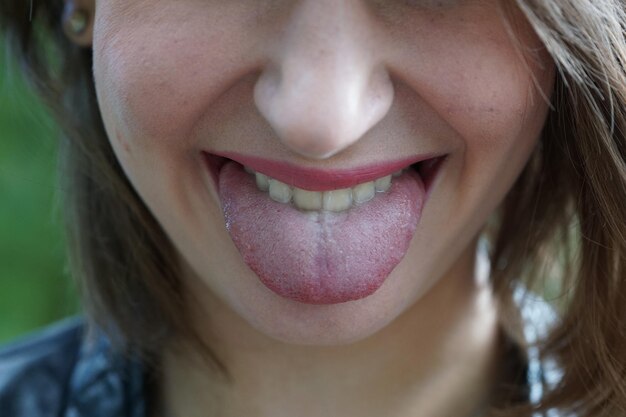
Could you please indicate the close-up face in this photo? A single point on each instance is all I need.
(378, 137)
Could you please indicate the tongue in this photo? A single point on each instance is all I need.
(320, 257)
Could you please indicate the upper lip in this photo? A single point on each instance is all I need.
(318, 179)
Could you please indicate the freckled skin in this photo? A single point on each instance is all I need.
(325, 84)
(457, 86)
(439, 80)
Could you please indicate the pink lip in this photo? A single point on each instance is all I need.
(316, 179)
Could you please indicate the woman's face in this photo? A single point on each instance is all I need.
(320, 95)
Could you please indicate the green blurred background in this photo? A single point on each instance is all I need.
(35, 288)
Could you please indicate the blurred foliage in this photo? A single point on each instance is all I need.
(35, 288)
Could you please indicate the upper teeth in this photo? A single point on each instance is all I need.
(333, 200)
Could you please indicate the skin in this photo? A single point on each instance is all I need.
(176, 78)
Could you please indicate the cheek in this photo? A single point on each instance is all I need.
(490, 100)
(493, 99)
(470, 71)
(510, 99)
(501, 126)
(512, 113)
(155, 91)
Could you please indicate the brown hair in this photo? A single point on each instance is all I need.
(563, 218)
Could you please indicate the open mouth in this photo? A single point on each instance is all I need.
(322, 236)
(428, 169)
(314, 189)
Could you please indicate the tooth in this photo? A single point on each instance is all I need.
(363, 192)
(262, 182)
(249, 170)
(307, 200)
(279, 191)
(337, 200)
(397, 173)
(383, 184)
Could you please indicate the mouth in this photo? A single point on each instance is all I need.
(322, 236)
(323, 189)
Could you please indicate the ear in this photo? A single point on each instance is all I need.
(77, 20)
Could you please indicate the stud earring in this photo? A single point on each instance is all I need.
(74, 20)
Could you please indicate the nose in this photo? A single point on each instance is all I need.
(324, 85)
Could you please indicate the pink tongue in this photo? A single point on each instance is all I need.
(320, 257)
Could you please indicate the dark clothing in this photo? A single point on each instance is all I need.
(59, 372)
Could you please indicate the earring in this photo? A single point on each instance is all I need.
(74, 20)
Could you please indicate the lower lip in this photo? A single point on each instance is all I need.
(284, 247)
